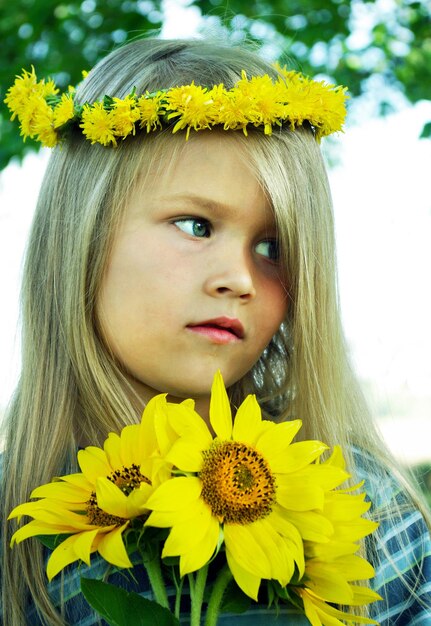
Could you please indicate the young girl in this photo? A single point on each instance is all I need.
(158, 261)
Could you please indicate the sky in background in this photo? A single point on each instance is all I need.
(382, 209)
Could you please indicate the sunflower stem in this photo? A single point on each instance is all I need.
(216, 598)
(178, 595)
(154, 571)
(197, 589)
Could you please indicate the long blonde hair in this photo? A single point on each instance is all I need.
(71, 385)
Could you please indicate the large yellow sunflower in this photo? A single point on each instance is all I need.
(96, 506)
(248, 486)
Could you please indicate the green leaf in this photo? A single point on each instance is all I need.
(426, 131)
(122, 608)
(52, 541)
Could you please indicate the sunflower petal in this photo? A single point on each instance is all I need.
(147, 433)
(282, 562)
(220, 412)
(129, 449)
(326, 476)
(345, 507)
(311, 525)
(185, 535)
(363, 595)
(336, 459)
(83, 544)
(332, 550)
(202, 552)
(310, 610)
(328, 584)
(277, 440)
(355, 529)
(36, 528)
(79, 480)
(111, 547)
(165, 434)
(246, 551)
(93, 463)
(248, 421)
(112, 447)
(249, 583)
(110, 498)
(137, 501)
(329, 613)
(166, 519)
(186, 422)
(63, 555)
(176, 493)
(291, 537)
(301, 497)
(63, 491)
(186, 455)
(58, 516)
(298, 455)
(354, 567)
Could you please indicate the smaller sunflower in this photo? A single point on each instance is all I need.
(249, 487)
(333, 568)
(97, 505)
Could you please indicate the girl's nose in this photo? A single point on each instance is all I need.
(230, 275)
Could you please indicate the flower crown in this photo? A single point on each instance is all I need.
(292, 99)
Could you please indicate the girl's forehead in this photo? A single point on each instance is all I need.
(207, 172)
(200, 160)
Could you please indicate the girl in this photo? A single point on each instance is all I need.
(156, 262)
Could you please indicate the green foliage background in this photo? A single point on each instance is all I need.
(61, 39)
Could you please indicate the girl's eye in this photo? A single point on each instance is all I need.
(268, 248)
(194, 226)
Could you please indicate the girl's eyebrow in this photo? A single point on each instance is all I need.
(208, 204)
(199, 202)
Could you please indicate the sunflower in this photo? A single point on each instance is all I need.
(94, 507)
(248, 486)
(333, 568)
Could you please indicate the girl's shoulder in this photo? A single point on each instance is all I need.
(400, 549)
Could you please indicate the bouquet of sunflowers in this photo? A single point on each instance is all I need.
(241, 512)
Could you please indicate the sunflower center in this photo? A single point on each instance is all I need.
(237, 483)
(127, 479)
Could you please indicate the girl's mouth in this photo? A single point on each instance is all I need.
(221, 330)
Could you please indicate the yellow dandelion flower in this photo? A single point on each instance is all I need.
(36, 117)
(264, 100)
(235, 111)
(150, 109)
(249, 485)
(97, 124)
(44, 129)
(64, 110)
(192, 105)
(95, 506)
(25, 88)
(124, 114)
(321, 104)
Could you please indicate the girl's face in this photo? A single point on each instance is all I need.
(193, 282)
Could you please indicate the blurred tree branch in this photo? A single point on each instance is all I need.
(359, 43)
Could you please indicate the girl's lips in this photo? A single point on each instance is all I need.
(219, 330)
(215, 334)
